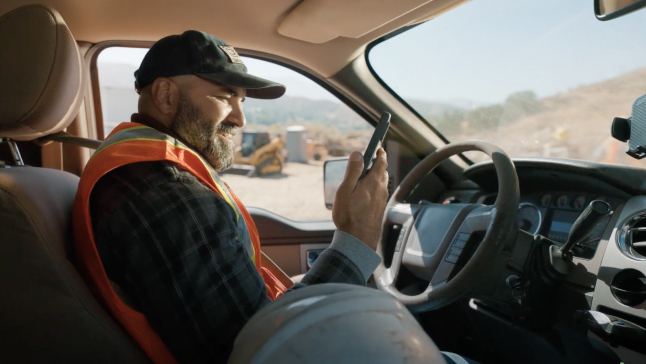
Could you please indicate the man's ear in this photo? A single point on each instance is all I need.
(165, 95)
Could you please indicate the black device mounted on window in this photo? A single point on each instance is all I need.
(633, 129)
(377, 137)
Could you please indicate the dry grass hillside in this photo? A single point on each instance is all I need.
(574, 124)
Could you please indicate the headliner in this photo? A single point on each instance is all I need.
(245, 24)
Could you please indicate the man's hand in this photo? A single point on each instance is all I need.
(359, 204)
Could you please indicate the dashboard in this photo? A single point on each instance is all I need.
(554, 193)
(611, 263)
(552, 214)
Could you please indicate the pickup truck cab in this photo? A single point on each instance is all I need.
(515, 230)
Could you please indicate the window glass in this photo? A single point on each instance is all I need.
(539, 78)
(305, 126)
(117, 66)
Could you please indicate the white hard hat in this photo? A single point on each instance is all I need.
(334, 323)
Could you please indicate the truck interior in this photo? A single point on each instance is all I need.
(514, 233)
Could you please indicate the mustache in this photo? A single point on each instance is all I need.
(226, 127)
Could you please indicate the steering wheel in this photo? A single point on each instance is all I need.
(435, 240)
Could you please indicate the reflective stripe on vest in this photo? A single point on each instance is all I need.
(133, 143)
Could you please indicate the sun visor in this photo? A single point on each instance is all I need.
(319, 21)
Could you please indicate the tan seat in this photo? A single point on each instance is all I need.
(47, 313)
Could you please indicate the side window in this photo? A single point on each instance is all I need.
(280, 152)
(116, 67)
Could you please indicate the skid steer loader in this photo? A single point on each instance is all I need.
(258, 154)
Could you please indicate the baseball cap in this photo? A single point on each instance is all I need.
(206, 56)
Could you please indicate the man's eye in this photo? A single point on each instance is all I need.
(224, 99)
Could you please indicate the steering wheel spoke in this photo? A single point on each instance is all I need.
(455, 256)
(397, 222)
(400, 213)
(479, 220)
(435, 229)
(388, 277)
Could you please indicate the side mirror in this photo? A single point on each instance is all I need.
(611, 9)
(333, 173)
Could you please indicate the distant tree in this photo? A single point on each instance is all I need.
(516, 106)
(520, 104)
(448, 123)
(485, 118)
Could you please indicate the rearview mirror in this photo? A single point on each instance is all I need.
(611, 9)
(333, 173)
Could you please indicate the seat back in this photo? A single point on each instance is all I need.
(47, 313)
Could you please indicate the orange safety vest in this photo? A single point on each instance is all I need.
(131, 143)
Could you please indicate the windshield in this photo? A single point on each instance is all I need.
(539, 78)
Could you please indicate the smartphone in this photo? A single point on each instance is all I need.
(377, 137)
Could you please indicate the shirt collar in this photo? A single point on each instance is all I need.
(157, 125)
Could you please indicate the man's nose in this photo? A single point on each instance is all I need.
(236, 116)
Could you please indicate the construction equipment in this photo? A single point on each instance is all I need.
(258, 155)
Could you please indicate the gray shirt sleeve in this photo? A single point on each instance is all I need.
(359, 253)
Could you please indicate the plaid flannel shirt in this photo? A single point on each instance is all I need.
(169, 242)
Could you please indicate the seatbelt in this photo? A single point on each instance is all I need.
(276, 271)
(67, 138)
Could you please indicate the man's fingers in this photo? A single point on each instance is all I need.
(379, 166)
(354, 169)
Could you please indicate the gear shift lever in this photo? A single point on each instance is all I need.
(585, 224)
(558, 262)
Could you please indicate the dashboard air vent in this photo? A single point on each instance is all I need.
(631, 237)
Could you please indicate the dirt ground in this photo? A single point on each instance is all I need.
(296, 193)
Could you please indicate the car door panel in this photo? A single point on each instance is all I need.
(287, 242)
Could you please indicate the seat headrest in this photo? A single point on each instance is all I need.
(42, 82)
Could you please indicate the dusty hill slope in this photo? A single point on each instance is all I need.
(574, 124)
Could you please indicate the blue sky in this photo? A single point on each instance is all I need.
(487, 49)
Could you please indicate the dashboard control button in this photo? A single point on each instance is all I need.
(513, 281)
(455, 251)
(400, 238)
(452, 258)
(459, 244)
(463, 236)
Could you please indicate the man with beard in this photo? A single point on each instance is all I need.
(165, 245)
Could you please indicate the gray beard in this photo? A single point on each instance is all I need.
(201, 134)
